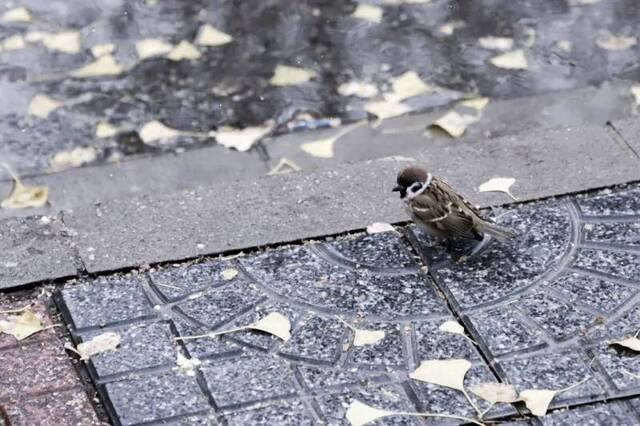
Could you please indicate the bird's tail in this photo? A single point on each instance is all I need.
(500, 233)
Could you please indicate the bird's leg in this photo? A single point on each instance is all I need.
(477, 248)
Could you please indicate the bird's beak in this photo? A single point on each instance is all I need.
(398, 188)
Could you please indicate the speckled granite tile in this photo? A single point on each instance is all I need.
(612, 413)
(611, 263)
(621, 234)
(626, 202)
(174, 283)
(287, 413)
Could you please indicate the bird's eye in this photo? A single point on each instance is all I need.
(416, 187)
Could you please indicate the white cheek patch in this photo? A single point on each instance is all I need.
(411, 194)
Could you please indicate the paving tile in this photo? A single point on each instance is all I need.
(57, 408)
(291, 413)
(612, 413)
(543, 306)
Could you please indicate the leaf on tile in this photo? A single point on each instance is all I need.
(386, 109)
(407, 86)
(21, 326)
(359, 414)
(454, 327)
(65, 42)
(367, 337)
(274, 323)
(184, 50)
(106, 130)
(478, 104)
(103, 66)
(18, 14)
(14, 42)
(454, 123)
(104, 342)
(495, 392)
(564, 45)
(23, 196)
(209, 36)
(150, 47)
(102, 49)
(379, 227)
(242, 139)
(496, 43)
(635, 91)
(188, 365)
(229, 274)
(608, 41)
(285, 75)
(632, 343)
(538, 400)
(73, 158)
(447, 372)
(514, 60)
(154, 131)
(369, 13)
(499, 184)
(360, 89)
(42, 105)
(284, 166)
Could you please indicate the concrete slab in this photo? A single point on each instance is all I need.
(629, 130)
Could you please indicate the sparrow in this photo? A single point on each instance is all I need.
(436, 207)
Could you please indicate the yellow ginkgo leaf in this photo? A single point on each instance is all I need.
(495, 392)
(23, 196)
(229, 274)
(274, 323)
(443, 372)
(499, 184)
(104, 342)
(22, 326)
(359, 414)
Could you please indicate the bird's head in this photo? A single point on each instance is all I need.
(412, 181)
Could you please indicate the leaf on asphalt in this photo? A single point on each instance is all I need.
(608, 41)
(42, 105)
(209, 36)
(386, 109)
(102, 49)
(106, 130)
(359, 414)
(23, 196)
(450, 27)
(496, 43)
(229, 274)
(18, 14)
(514, 60)
(184, 50)
(635, 91)
(285, 75)
(407, 86)
(454, 123)
(65, 42)
(449, 372)
(632, 343)
(154, 131)
(284, 166)
(103, 66)
(104, 342)
(21, 326)
(274, 323)
(379, 227)
(360, 89)
(242, 139)
(14, 42)
(150, 47)
(367, 337)
(495, 392)
(73, 158)
(499, 184)
(369, 13)
(538, 400)
(323, 148)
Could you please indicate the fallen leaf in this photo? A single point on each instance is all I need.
(242, 139)
(476, 103)
(496, 43)
(74, 158)
(65, 42)
(367, 337)
(18, 14)
(449, 372)
(514, 60)
(21, 326)
(188, 365)
(454, 123)
(608, 41)
(369, 13)
(359, 414)
(407, 86)
(23, 196)
(104, 342)
(42, 105)
(276, 324)
(564, 45)
(285, 75)
(323, 148)
(284, 166)
(635, 91)
(102, 49)
(632, 343)
(229, 274)
(495, 392)
(209, 36)
(360, 89)
(150, 47)
(537, 400)
(14, 42)
(104, 65)
(379, 227)
(452, 326)
(156, 131)
(386, 109)
(106, 130)
(184, 50)
(450, 27)
(498, 185)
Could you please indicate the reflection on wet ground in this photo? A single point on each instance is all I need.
(101, 85)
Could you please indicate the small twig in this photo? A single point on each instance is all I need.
(346, 323)
(635, 376)
(484, 413)
(15, 311)
(475, 407)
(218, 333)
(448, 416)
(573, 385)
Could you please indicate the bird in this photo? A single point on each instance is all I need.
(442, 212)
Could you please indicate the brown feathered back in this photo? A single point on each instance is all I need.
(409, 175)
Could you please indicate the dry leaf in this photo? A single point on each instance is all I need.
(476, 103)
(452, 326)
(359, 414)
(184, 50)
(102, 49)
(23, 196)
(14, 42)
(242, 139)
(18, 14)
(367, 337)
(449, 372)
(323, 148)
(632, 343)
(537, 400)
(386, 109)
(104, 342)
(564, 45)
(407, 86)
(496, 43)
(454, 123)
(495, 392)
(368, 13)
(608, 41)
(284, 166)
(42, 105)
(378, 227)
(150, 47)
(155, 130)
(209, 36)
(229, 274)
(74, 158)
(514, 60)
(104, 65)
(188, 365)
(450, 27)
(285, 75)
(21, 326)
(635, 91)
(65, 42)
(274, 323)
(360, 89)
(498, 185)
(106, 130)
